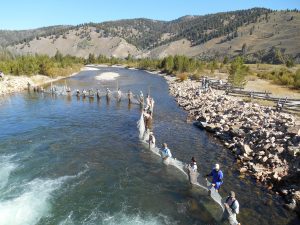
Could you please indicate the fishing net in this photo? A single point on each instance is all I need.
(141, 126)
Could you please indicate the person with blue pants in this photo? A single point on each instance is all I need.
(217, 177)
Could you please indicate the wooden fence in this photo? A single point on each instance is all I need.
(285, 104)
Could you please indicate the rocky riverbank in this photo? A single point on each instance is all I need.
(266, 143)
(10, 84)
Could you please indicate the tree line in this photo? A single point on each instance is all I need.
(181, 66)
(57, 65)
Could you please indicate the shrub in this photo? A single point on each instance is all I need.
(182, 76)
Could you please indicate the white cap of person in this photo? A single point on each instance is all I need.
(217, 166)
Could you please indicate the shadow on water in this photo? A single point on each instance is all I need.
(56, 136)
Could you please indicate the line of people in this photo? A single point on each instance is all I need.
(231, 203)
(108, 93)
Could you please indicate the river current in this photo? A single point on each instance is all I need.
(65, 160)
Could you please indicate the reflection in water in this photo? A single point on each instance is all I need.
(107, 100)
(91, 100)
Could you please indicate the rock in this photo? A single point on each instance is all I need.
(272, 140)
(226, 127)
(261, 153)
(293, 151)
(247, 149)
(264, 159)
(279, 149)
(296, 196)
(243, 170)
(284, 192)
(267, 146)
(210, 128)
(292, 205)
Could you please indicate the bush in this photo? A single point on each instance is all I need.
(283, 77)
(290, 63)
(297, 79)
(182, 76)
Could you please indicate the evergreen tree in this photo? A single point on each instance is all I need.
(238, 72)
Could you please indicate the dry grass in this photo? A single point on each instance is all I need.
(258, 68)
(276, 90)
(259, 101)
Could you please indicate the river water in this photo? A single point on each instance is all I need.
(65, 160)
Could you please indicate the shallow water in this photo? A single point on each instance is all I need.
(65, 160)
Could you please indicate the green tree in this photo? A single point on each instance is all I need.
(91, 59)
(58, 56)
(290, 62)
(167, 64)
(238, 72)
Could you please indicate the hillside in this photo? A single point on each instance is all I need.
(9, 37)
(79, 42)
(259, 39)
(261, 35)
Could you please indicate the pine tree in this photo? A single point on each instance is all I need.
(238, 72)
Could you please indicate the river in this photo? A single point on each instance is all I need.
(66, 161)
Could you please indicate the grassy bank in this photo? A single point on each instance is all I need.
(29, 65)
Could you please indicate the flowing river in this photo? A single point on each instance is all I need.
(65, 160)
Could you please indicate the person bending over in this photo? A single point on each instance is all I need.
(217, 177)
(166, 153)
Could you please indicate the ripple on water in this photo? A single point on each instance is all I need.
(121, 218)
(6, 167)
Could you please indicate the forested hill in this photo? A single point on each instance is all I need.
(228, 33)
(9, 37)
(146, 33)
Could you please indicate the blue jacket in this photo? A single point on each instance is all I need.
(166, 153)
(217, 178)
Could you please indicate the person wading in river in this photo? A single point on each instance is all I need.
(193, 165)
(148, 100)
(232, 208)
(192, 171)
(98, 94)
(141, 100)
(129, 96)
(119, 95)
(166, 153)
(217, 177)
(148, 120)
(151, 140)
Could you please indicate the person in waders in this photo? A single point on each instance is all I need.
(151, 140)
(166, 153)
(192, 171)
(129, 96)
(232, 209)
(217, 177)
